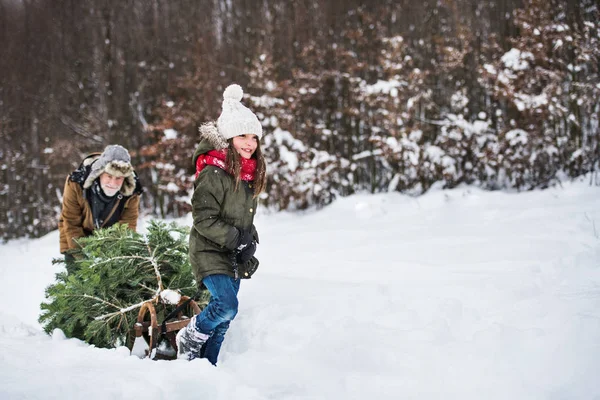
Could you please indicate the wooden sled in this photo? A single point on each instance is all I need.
(147, 327)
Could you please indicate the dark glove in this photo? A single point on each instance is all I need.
(248, 269)
(244, 240)
(246, 253)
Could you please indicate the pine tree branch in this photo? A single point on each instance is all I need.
(156, 269)
(123, 310)
(87, 296)
(121, 258)
(123, 317)
(147, 288)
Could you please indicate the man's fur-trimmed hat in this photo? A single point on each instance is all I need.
(114, 160)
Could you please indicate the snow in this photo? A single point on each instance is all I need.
(490, 69)
(525, 101)
(517, 136)
(385, 87)
(170, 296)
(477, 127)
(558, 43)
(459, 100)
(289, 158)
(172, 187)
(170, 134)
(517, 59)
(434, 153)
(286, 137)
(139, 348)
(457, 294)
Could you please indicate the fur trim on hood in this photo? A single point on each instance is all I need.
(210, 132)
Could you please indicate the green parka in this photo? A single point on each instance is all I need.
(220, 214)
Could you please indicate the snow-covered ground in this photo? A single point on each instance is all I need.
(459, 294)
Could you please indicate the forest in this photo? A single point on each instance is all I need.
(354, 96)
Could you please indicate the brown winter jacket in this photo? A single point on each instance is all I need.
(76, 218)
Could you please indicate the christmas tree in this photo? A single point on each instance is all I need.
(116, 271)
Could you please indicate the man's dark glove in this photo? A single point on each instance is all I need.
(246, 253)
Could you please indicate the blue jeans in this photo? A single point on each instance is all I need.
(221, 310)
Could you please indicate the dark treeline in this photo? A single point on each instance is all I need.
(355, 95)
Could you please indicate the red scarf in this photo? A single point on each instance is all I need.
(218, 158)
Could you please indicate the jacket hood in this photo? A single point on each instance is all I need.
(210, 139)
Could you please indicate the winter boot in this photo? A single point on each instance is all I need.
(189, 341)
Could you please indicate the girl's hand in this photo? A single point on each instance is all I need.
(246, 254)
(244, 240)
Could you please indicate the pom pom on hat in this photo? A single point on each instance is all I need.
(235, 118)
(233, 92)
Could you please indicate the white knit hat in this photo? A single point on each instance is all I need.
(235, 119)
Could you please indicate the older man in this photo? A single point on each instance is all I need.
(103, 191)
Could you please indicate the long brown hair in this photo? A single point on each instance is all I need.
(234, 167)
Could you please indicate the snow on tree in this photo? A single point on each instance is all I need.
(548, 81)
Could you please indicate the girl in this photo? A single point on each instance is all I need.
(230, 174)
